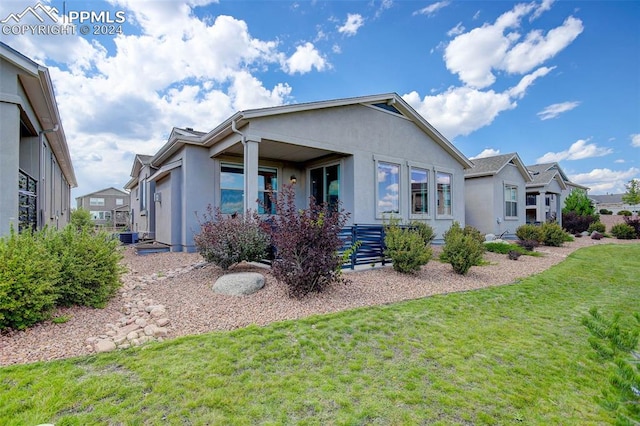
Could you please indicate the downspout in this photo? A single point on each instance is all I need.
(234, 129)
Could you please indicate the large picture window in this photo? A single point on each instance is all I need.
(419, 191)
(443, 181)
(232, 189)
(96, 201)
(388, 189)
(511, 201)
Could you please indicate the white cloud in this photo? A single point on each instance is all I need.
(487, 152)
(384, 5)
(554, 110)
(458, 29)
(462, 110)
(305, 58)
(352, 25)
(619, 161)
(635, 140)
(432, 8)
(475, 55)
(579, 150)
(602, 181)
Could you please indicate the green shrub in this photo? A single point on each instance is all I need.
(597, 227)
(505, 248)
(461, 250)
(624, 213)
(407, 247)
(90, 267)
(553, 235)
(623, 231)
(473, 233)
(81, 219)
(28, 278)
(605, 212)
(530, 233)
(426, 232)
(227, 240)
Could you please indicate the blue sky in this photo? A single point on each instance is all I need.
(551, 80)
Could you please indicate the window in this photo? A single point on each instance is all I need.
(96, 215)
(531, 199)
(119, 202)
(96, 201)
(511, 201)
(443, 181)
(143, 195)
(232, 188)
(325, 185)
(27, 216)
(419, 191)
(388, 176)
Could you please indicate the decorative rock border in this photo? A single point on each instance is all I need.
(144, 319)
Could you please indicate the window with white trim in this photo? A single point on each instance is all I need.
(119, 202)
(510, 201)
(419, 180)
(387, 189)
(443, 196)
(96, 201)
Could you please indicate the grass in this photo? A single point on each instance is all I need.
(513, 354)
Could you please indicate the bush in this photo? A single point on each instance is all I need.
(634, 222)
(426, 232)
(623, 231)
(28, 277)
(407, 247)
(306, 244)
(624, 213)
(90, 267)
(529, 233)
(553, 235)
(605, 212)
(575, 223)
(473, 233)
(228, 240)
(461, 250)
(579, 203)
(528, 245)
(80, 219)
(597, 227)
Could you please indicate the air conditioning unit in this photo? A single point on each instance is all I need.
(157, 197)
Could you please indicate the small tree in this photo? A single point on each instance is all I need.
(632, 196)
(578, 201)
(81, 219)
(618, 347)
(306, 243)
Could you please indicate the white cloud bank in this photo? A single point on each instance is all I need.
(579, 150)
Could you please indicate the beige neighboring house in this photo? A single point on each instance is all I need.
(36, 173)
(108, 207)
(546, 193)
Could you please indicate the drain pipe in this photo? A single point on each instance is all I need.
(235, 130)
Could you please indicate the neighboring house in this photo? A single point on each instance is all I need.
(374, 154)
(108, 207)
(142, 208)
(495, 193)
(36, 174)
(612, 202)
(547, 192)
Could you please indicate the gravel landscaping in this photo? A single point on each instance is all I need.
(181, 283)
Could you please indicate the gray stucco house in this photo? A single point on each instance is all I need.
(36, 173)
(374, 154)
(108, 207)
(495, 191)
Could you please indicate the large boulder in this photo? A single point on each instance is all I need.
(239, 284)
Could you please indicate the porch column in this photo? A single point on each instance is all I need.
(250, 175)
(559, 202)
(542, 207)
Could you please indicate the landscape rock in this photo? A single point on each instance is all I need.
(239, 284)
(105, 345)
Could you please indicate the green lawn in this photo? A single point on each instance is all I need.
(514, 354)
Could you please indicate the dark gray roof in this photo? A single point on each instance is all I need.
(489, 166)
(607, 198)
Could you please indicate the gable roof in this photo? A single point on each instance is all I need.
(607, 198)
(491, 166)
(111, 188)
(391, 102)
(544, 173)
